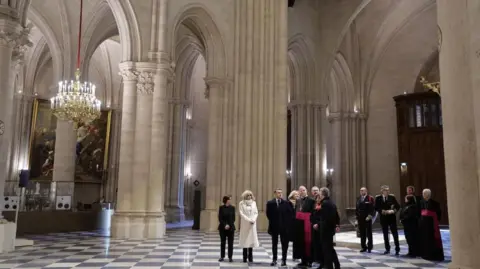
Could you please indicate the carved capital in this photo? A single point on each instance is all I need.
(128, 75)
(145, 82)
(214, 83)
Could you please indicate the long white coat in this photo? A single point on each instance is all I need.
(248, 231)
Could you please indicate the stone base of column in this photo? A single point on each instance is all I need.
(209, 220)
(134, 225)
(455, 266)
(156, 225)
(175, 214)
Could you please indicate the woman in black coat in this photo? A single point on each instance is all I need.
(226, 227)
(409, 218)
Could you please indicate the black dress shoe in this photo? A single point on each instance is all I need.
(245, 260)
(230, 259)
(397, 252)
(220, 260)
(284, 263)
(363, 250)
(273, 263)
(302, 264)
(369, 251)
(386, 252)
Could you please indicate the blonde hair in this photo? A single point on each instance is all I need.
(247, 193)
(291, 196)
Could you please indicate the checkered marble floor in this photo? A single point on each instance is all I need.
(181, 248)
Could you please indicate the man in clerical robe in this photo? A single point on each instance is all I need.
(431, 240)
(303, 233)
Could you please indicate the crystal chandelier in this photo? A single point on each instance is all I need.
(75, 100)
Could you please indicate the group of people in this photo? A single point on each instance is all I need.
(419, 215)
(309, 222)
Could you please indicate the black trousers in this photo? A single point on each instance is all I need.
(224, 235)
(248, 252)
(365, 228)
(328, 257)
(412, 236)
(393, 228)
(283, 241)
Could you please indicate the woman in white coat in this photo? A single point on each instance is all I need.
(248, 225)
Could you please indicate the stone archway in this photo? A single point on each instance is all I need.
(307, 112)
(194, 33)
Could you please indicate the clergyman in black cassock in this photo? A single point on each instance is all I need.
(303, 235)
(429, 230)
(276, 225)
(409, 219)
(387, 206)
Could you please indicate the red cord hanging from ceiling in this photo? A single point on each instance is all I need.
(79, 34)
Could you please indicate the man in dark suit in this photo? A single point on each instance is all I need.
(365, 211)
(275, 210)
(226, 227)
(387, 206)
(325, 220)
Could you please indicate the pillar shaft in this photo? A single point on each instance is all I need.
(460, 76)
(256, 156)
(308, 144)
(10, 38)
(121, 220)
(65, 156)
(348, 157)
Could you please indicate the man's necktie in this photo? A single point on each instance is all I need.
(278, 203)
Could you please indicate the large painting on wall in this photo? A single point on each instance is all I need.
(42, 144)
(91, 149)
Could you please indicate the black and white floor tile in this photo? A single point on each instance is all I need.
(181, 248)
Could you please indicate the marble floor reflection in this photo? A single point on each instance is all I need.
(181, 248)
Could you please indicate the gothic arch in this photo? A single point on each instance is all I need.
(302, 68)
(345, 29)
(198, 20)
(391, 27)
(53, 46)
(100, 26)
(342, 97)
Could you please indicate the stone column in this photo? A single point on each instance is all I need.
(121, 219)
(12, 36)
(459, 22)
(114, 154)
(214, 92)
(338, 181)
(258, 115)
(158, 162)
(64, 161)
(142, 148)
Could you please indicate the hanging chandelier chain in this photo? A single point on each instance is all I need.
(79, 34)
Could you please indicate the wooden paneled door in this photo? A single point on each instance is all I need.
(420, 146)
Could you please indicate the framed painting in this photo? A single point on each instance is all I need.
(92, 147)
(93, 141)
(42, 141)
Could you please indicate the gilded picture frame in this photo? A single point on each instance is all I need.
(92, 162)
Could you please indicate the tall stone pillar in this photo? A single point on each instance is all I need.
(121, 218)
(114, 155)
(141, 156)
(65, 153)
(349, 163)
(258, 111)
(158, 162)
(459, 22)
(215, 92)
(308, 144)
(12, 37)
